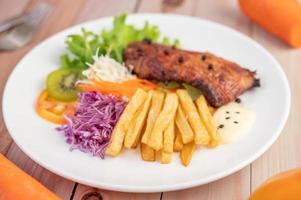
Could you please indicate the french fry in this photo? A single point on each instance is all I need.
(135, 145)
(136, 101)
(169, 137)
(166, 157)
(158, 155)
(205, 112)
(154, 111)
(162, 121)
(131, 127)
(178, 145)
(186, 153)
(183, 126)
(138, 139)
(206, 117)
(136, 125)
(147, 153)
(200, 133)
(121, 127)
(211, 109)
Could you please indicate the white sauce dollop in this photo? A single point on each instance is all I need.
(233, 121)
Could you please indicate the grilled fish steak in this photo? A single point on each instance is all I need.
(220, 80)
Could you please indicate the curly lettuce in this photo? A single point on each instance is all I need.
(82, 47)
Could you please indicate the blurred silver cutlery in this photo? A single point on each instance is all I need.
(22, 27)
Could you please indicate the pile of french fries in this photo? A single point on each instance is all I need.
(163, 123)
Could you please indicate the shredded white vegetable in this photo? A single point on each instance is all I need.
(107, 69)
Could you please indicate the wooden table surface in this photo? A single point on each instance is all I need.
(283, 155)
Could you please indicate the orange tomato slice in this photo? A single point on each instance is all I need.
(52, 110)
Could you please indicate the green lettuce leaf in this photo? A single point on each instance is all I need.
(82, 47)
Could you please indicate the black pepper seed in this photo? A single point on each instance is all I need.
(180, 59)
(235, 122)
(238, 100)
(237, 112)
(256, 82)
(166, 51)
(204, 57)
(227, 118)
(227, 112)
(210, 66)
(139, 52)
(221, 126)
(147, 40)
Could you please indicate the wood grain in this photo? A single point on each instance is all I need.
(96, 9)
(185, 7)
(286, 151)
(225, 12)
(83, 192)
(15, 7)
(233, 187)
(10, 9)
(284, 154)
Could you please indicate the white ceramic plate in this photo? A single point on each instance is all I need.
(38, 139)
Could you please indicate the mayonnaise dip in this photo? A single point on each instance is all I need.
(233, 121)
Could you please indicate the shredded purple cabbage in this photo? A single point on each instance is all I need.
(91, 128)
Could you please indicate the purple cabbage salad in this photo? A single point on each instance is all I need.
(95, 117)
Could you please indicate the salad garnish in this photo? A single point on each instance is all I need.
(89, 130)
(107, 69)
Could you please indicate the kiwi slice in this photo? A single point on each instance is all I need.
(61, 84)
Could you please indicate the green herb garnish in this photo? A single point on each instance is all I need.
(166, 41)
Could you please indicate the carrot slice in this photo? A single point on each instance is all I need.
(126, 88)
(117, 91)
(16, 184)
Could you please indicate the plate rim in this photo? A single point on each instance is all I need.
(169, 187)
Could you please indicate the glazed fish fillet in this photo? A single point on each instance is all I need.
(220, 80)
